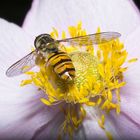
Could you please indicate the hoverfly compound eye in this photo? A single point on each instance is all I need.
(42, 40)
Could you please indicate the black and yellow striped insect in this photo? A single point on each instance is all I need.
(49, 49)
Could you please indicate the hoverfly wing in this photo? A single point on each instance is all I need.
(23, 65)
(97, 38)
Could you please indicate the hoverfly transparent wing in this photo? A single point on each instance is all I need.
(23, 65)
(97, 38)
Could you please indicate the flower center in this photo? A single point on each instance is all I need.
(99, 77)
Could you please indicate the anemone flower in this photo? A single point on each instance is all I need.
(32, 112)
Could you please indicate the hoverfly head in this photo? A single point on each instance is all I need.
(45, 42)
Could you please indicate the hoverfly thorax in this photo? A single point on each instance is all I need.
(45, 43)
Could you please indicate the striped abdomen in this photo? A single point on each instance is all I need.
(62, 65)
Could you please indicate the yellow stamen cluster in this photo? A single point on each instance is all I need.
(99, 77)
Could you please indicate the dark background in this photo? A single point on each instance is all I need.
(15, 10)
(137, 2)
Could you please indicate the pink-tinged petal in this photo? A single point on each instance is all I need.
(127, 124)
(92, 129)
(21, 112)
(131, 92)
(50, 129)
(117, 15)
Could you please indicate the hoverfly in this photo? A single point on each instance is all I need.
(60, 60)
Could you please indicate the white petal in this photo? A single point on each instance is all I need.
(21, 111)
(130, 93)
(51, 129)
(15, 43)
(127, 124)
(91, 127)
(116, 15)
